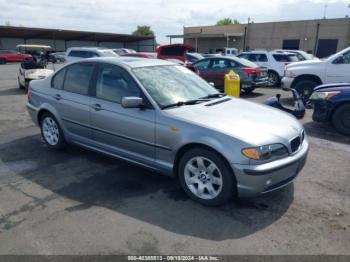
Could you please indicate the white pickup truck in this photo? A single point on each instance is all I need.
(306, 75)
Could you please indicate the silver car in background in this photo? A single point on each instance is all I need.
(164, 117)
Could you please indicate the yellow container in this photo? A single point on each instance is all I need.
(232, 84)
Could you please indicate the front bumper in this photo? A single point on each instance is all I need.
(254, 180)
(287, 82)
(322, 110)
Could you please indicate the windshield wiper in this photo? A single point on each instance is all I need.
(189, 102)
(217, 95)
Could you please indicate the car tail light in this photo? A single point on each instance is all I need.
(252, 70)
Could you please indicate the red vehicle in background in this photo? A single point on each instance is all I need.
(175, 51)
(12, 56)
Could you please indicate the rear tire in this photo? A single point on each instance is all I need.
(206, 177)
(2, 61)
(274, 79)
(305, 88)
(51, 132)
(341, 119)
(19, 84)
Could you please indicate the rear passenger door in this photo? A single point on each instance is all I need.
(127, 132)
(70, 96)
(219, 67)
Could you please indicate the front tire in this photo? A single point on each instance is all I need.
(206, 177)
(2, 61)
(51, 132)
(305, 88)
(341, 119)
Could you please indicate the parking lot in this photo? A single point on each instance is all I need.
(81, 202)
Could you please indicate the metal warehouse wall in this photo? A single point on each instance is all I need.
(61, 45)
(271, 35)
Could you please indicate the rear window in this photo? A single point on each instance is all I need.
(82, 54)
(107, 53)
(246, 63)
(285, 58)
(172, 51)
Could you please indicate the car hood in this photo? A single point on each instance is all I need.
(250, 122)
(304, 63)
(342, 87)
(38, 73)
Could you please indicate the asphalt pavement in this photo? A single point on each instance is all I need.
(81, 202)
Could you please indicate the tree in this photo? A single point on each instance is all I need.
(7, 23)
(143, 30)
(227, 21)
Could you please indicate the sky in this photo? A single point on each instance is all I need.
(164, 16)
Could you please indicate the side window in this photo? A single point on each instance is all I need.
(113, 84)
(346, 58)
(89, 54)
(78, 78)
(281, 58)
(57, 80)
(245, 56)
(74, 53)
(219, 64)
(203, 64)
(253, 57)
(261, 58)
(232, 63)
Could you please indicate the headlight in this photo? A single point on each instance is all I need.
(323, 95)
(290, 74)
(267, 152)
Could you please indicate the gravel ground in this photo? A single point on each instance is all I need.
(80, 202)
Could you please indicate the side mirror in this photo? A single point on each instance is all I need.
(132, 102)
(212, 84)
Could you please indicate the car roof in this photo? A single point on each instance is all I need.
(275, 52)
(88, 48)
(130, 62)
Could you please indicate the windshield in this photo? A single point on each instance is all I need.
(246, 62)
(172, 84)
(107, 53)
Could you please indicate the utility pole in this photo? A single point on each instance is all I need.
(325, 9)
(247, 36)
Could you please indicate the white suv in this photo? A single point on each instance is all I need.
(77, 53)
(306, 75)
(274, 61)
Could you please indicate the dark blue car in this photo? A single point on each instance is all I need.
(332, 104)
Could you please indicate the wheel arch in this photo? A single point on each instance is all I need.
(311, 77)
(185, 148)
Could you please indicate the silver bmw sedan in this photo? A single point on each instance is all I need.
(162, 116)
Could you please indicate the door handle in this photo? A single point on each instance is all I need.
(58, 97)
(97, 107)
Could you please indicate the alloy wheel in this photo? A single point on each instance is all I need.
(203, 178)
(50, 131)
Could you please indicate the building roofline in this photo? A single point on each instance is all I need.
(268, 22)
(69, 35)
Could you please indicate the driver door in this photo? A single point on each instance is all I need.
(338, 69)
(127, 132)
